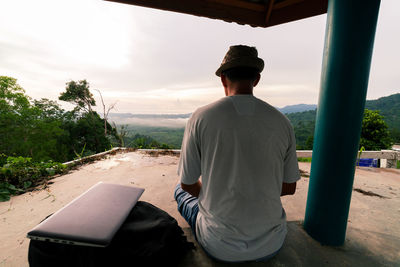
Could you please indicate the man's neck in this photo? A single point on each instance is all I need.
(239, 93)
(239, 88)
(231, 91)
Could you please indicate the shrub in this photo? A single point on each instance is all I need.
(21, 173)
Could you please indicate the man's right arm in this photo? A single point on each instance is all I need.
(288, 189)
(189, 168)
(291, 166)
(193, 189)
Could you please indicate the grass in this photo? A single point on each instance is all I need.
(304, 159)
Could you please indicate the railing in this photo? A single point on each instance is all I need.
(94, 157)
(389, 157)
(383, 154)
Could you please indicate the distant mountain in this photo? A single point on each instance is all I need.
(285, 110)
(168, 128)
(297, 108)
(388, 107)
(302, 117)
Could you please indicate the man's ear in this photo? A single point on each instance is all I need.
(224, 80)
(257, 80)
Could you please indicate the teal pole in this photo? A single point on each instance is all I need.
(349, 39)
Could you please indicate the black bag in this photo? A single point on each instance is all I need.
(148, 237)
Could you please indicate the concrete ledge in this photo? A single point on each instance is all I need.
(96, 156)
(389, 157)
(304, 153)
(383, 154)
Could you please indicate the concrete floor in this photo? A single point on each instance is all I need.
(373, 232)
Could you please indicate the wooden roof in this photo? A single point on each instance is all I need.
(257, 13)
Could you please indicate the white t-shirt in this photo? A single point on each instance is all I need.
(243, 149)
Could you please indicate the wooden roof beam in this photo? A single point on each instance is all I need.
(271, 13)
(292, 10)
(238, 11)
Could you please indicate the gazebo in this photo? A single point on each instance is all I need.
(349, 39)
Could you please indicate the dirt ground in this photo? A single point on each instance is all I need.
(373, 232)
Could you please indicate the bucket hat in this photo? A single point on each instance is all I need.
(241, 56)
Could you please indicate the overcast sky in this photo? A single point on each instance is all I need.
(152, 61)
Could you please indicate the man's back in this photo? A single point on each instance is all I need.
(245, 150)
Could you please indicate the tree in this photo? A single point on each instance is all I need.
(23, 131)
(86, 128)
(105, 113)
(374, 133)
(88, 132)
(41, 130)
(121, 134)
(56, 117)
(12, 96)
(309, 142)
(50, 109)
(79, 94)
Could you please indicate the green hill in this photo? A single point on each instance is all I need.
(167, 135)
(303, 123)
(388, 106)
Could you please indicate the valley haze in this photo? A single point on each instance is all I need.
(179, 120)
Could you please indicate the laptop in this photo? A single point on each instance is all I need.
(92, 219)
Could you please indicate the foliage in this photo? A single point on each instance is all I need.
(50, 110)
(304, 159)
(374, 133)
(303, 125)
(6, 190)
(362, 149)
(80, 155)
(12, 96)
(21, 173)
(121, 134)
(171, 136)
(23, 129)
(389, 108)
(88, 131)
(43, 131)
(144, 141)
(395, 135)
(78, 93)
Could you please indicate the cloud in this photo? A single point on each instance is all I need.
(156, 61)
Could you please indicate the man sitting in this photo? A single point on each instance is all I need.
(245, 152)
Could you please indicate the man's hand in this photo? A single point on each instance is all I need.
(193, 189)
(288, 189)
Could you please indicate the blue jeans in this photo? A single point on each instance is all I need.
(188, 207)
